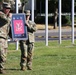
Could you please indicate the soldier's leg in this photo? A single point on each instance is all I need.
(3, 52)
(23, 49)
(30, 55)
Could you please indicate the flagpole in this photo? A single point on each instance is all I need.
(72, 21)
(60, 21)
(17, 43)
(46, 20)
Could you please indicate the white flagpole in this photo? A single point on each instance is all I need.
(16, 6)
(32, 10)
(46, 20)
(60, 21)
(17, 12)
(72, 21)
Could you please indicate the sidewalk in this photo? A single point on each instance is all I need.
(54, 33)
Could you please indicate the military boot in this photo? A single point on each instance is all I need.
(23, 68)
(29, 68)
(2, 71)
(29, 65)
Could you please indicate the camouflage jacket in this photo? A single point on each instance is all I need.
(4, 24)
(31, 29)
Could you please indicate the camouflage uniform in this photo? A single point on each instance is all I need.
(4, 24)
(27, 47)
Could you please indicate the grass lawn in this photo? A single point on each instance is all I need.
(55, 59)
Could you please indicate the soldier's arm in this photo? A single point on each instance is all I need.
(32, 26)
(3, 17)
(9, 16)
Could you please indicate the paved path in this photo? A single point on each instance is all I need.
(54, 34)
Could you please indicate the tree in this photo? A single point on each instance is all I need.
(55, 5)
(23, 4)
(55, 13)
(0, 4)
(66, 8)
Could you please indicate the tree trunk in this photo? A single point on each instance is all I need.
(55, 16)
(23, 7)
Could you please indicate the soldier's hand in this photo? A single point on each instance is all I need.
(10, 15)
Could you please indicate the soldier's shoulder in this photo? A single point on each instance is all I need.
(2, 15)
(1, 12)
(32, 22)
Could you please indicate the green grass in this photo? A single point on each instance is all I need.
(55, 59)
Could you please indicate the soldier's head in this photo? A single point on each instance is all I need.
(6, 7)
(27, 13)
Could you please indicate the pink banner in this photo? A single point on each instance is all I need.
(18, 26)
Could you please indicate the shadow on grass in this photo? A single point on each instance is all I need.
(12, 69)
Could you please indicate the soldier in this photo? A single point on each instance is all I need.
(4, 24)
(27, 46)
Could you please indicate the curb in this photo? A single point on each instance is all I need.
(69, 36)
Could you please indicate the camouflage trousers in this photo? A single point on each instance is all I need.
(3, 52)
(26, 53)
